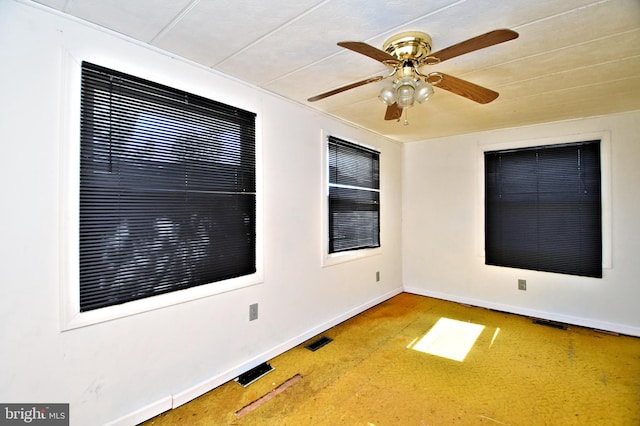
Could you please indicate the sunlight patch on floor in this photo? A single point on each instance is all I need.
(493, 339)
(449, 338)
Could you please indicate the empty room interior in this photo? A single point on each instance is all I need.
(320, 212)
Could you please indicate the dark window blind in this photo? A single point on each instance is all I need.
(167, 189)
(354, 196)
(543, 209)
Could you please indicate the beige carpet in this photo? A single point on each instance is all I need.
(414, 360)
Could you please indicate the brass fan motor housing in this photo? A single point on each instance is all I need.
(409, 45)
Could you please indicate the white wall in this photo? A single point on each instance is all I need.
(443, 245)
(131, 368)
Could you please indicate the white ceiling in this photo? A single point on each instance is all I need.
(574, 58)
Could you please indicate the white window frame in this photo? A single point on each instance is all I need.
(69, 188)
(329, 259)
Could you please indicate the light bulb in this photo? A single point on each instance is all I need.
(423, 92)
(387, 95)
(405, 88)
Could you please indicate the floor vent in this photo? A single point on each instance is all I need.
(319, 343)
(245, 379)
(551, 324)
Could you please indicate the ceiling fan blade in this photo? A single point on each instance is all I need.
(476, 43)
(370, 51)
(467, 89)
(345, 88)
(394, 112)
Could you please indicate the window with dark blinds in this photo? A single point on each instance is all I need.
(354, 196)
(543, 209)
(167, 189)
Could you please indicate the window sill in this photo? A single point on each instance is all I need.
(72, 318)
(349, 256)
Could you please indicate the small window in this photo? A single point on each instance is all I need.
(354, 196)
(543, 209)
(167, 190)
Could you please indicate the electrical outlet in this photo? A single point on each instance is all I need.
(377, 276)
(522, 285)
(253, 312)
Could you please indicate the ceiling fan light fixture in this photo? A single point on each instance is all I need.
(405, 91)
(405, 54)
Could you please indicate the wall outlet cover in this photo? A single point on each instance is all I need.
(522, 285)
(253, 312)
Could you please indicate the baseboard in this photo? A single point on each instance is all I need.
(552, 316)
(145, 413)
(215, 381)
(170, 402)
(205, 386)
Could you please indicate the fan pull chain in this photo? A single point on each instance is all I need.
(406, 116)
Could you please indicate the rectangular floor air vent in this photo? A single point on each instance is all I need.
(551, 324)
(245, 379)
(314, 346)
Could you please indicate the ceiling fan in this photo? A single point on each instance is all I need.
(404, 54)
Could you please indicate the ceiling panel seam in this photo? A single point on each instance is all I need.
(420, 18)
(566, 12)
(175, 20)
(567, 89)
(569, 47)
(270, 33)
(582, 68)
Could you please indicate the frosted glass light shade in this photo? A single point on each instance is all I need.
(423, 92)
(388, 95)
(405, 90)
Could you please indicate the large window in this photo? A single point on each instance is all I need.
(167, 190)
(354, 196)
(543, 208)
